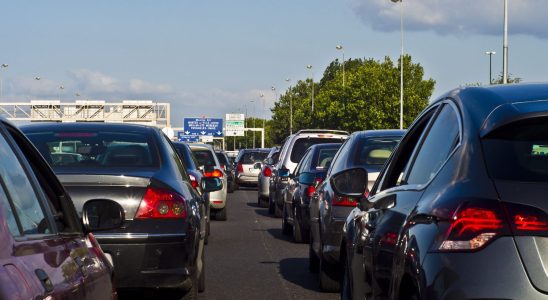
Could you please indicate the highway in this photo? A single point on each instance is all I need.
(249, 258)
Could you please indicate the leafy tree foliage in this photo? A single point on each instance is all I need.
(369, 99)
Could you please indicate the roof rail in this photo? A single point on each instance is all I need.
(321, 131)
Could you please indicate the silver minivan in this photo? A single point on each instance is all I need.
(292, 151)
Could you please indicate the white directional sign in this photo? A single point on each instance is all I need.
(234, 125)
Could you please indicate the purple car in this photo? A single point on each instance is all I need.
(46, 253)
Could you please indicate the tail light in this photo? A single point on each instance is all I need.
(344, 201)
(475, 224)
(215, 173)
(527, 220)
(159, 203)
(267, 172)
(193, 181)
(312, 188)
(240, 168)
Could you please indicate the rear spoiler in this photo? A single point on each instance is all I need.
(510, 113)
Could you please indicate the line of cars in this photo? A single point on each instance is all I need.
(452, 208)
(90, 208)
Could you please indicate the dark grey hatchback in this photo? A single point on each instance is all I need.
(160, 243)
(459, 210)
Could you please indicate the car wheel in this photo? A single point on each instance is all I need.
(192, 294)
(329, 279)
(277, 211)
(201, 280)
(286, 228)
(346, 289)
(297, 233)
(271, 205)
(220, 215)
(313, 261)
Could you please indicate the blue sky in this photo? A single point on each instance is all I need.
(214, 57)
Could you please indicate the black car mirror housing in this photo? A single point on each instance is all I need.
(352, 183)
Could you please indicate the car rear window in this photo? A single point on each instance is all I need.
(325, 157)
(204, 157)
(251, 157)
(302, 144)
(222, 158)
(96, 149)
(518, 151)
(375, 151)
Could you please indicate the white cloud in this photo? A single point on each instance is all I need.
(456, 17)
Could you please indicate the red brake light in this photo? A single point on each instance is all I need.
(94, 245)
(161, 203)
(215, 173)
(473, 226)
(193, 181)
(344, 201)
(267, 172)
(240, 168)
(527, 220)
(312, 188)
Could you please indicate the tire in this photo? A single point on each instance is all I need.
(286, 228)
(192, 294)
(297, 232)
(346, 289)
(201, 279)
(277, 211)
(220, 215)
(313, 261)
(329, 276)
(271, 205)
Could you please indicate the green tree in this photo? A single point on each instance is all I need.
(370, 98)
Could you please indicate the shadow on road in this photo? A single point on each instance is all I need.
(296, 271)
(277, 233)
(261, 211)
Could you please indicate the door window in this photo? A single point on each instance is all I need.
(438, 144)
(22, 193)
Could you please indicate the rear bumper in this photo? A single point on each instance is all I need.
(264, 187)
(495, 272)
(151, 260)
(247, 179)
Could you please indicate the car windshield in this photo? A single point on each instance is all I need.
(375, 151)
(249, 158)
(302, 144)
(518, 151)
(95, 149)
(204, 157)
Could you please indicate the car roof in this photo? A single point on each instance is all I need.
(85, 126)
(326, 146)
(203, 146)
(380, 133)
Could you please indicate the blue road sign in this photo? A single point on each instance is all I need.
(182, 137)
(203, 126)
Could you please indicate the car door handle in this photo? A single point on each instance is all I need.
(44, 279)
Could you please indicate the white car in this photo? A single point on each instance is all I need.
(210, 166)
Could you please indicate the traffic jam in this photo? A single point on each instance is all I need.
(453, 207)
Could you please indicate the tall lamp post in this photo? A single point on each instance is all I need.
(253, 101)
(490, 53)
(401, 62)
(312, 98)
(290, 109)
(61, 88)
(339, 47)
(2, 66)
(505, 45)
(263, 100)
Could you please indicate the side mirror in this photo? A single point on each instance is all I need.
(211, 184)
(284, 173)
(102, 214)
(257, 166)
(307, 178)
(351, 183)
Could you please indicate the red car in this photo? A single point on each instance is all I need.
(45, 252)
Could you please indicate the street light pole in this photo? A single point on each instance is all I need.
(339, 47)
(290, 108)
(505, 45)
(3, 66)
(490, 53)
(401, 62)
(253, 101)
(312, 98)
(61, 88)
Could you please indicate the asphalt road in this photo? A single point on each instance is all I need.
(248, 257)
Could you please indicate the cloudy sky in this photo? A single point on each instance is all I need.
(215, 57)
